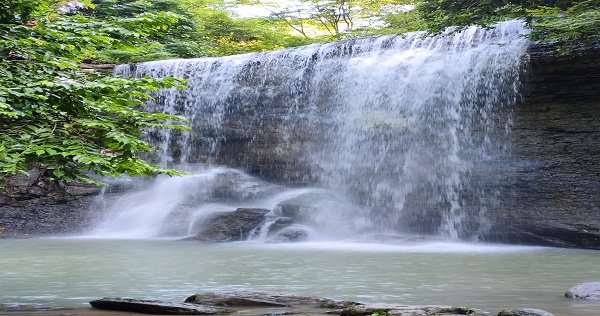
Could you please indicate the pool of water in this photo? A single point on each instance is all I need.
(67, 273)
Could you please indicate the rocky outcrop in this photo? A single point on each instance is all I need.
(35, 205)
(156, 307)
(548, 186)
(544, 191)
(405, 310)
(524, 312)
(585, 291)
(264, 299)
(267, 303)
(230, 226)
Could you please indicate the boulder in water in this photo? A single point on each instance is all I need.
(291, 235)
(238, 186)
(585, 291)
(279, 224)
(524, 312)
(263, 299)
(230, 226)
(156, 307)
(401, 310)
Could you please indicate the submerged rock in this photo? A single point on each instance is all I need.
(585, 291)
(405, 310)
(524, 312)
(156, 307)
(263, 299)
(279, 224)
(291, 235)
(230, 226)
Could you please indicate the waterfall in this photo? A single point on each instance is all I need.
(406, 130)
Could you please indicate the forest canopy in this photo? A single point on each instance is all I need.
(77, 122)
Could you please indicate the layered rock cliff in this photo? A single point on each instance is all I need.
(542, 189)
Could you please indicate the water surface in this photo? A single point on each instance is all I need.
(67, 273)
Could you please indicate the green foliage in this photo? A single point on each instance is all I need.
(567, 23)
(439, 14)
(228, 36)
(579, 25)
(68, 120)
(398, 23)
(346, 18)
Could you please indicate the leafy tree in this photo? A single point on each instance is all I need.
(72, 121)
(344, 18)
(565, 22)
(577, 25)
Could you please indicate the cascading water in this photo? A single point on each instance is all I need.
(398, 132)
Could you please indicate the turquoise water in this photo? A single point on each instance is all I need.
(50, 273)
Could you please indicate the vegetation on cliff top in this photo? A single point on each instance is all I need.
(76, 122)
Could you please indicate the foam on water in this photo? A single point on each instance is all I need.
(406, 247)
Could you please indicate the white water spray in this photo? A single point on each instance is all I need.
(396, 124)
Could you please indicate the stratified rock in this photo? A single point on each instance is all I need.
(405, 310)
(548, 188)
(263, 299)
(35, 204)
(585, 291)
(524, 312)
(156, 307)
(230, 226)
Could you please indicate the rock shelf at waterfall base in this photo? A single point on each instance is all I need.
(263, 303)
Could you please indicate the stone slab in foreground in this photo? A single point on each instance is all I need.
(406, 310)
(585, 291)
(264, 299)
(524, 312)
(156, 307)
(271, 303)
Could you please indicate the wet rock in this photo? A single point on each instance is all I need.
(238, 186)
(156, 307)
(35, 205)
(549, 196)
(263, 299)
(291, 235)
(405, 310)
(524, 312)
(302, 208)
(230, 226)
(585, 291)
(279, 224)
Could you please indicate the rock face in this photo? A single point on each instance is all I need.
(543, 192)
(156, 307)
(230, 226)
(549, 187)
(524, 312)
(34, 205)
(585, 291)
